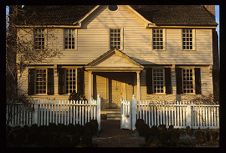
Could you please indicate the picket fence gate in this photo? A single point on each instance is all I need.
(44, 112)
(179, 115)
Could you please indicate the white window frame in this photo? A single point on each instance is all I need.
(163, 39)
(121, 38)
(164, 86)
(193, 80)
(35, 38)
(67, 82)
(46, 81)
(75, 32)
(193, 39)
(65, 77)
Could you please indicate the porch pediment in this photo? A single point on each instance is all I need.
(114, 60)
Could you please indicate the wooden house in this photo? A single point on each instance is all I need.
(155, 52)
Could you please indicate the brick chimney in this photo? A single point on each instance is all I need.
(210, 8)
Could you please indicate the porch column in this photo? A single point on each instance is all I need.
(138, 85)
(90, 85)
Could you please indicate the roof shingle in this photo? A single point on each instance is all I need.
(158, 14)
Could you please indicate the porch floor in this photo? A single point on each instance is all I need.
(112, 136)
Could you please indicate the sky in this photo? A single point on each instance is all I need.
(217, 13)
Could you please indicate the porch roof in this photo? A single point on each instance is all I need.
(114, 60)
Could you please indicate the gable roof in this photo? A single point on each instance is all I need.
(158, 14)
(110, 53)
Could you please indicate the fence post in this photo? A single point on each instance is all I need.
(35, 113)
(133, 112)
(98, 112)
(188, 115)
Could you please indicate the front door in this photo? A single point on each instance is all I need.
(112, 87)
(118, 92)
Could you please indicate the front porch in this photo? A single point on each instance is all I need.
(114, 76)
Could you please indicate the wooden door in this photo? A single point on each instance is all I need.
(118, 92)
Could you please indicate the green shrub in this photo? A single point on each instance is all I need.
(76, 96)
(143, 128)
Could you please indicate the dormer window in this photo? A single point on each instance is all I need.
(112, 7)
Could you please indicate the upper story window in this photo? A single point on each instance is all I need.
(188, 80)
(39, 40)
(69, 38)
(187, 39)
(115, 38)
(157, 39)
(158, 79)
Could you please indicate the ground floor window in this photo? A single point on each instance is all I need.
(158, 80)
(71, 85)
(188, 80)
(71, 79)
(40, 81)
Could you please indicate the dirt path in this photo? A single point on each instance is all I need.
(112, 136)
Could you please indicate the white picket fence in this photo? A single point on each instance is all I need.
(178, 115)
(43, 112)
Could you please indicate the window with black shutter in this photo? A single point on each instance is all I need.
(62, 81)
(80, 78)
(50, 86)
(198, 81)
(168, 81)
(149, 80)
(71, 80)
(179, 80)
(31, 81)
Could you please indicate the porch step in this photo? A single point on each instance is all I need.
(112, 114)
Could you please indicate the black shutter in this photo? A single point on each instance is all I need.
(179, 80)
(31, 81)
(197, 80)
(149, 80)
(62, 81)
(50, 85)
(168, 80)
(80, 81)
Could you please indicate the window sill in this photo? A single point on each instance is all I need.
(158, 93)
(159, 50)
(188, 50)
(184, 94)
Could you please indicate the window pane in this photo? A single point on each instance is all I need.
(40, 81)
(71, 80)
(157, 39)
(187, 80)
(187, 38)
(158, 80)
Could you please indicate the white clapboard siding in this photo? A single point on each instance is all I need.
(93, 40)
(44, 112)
